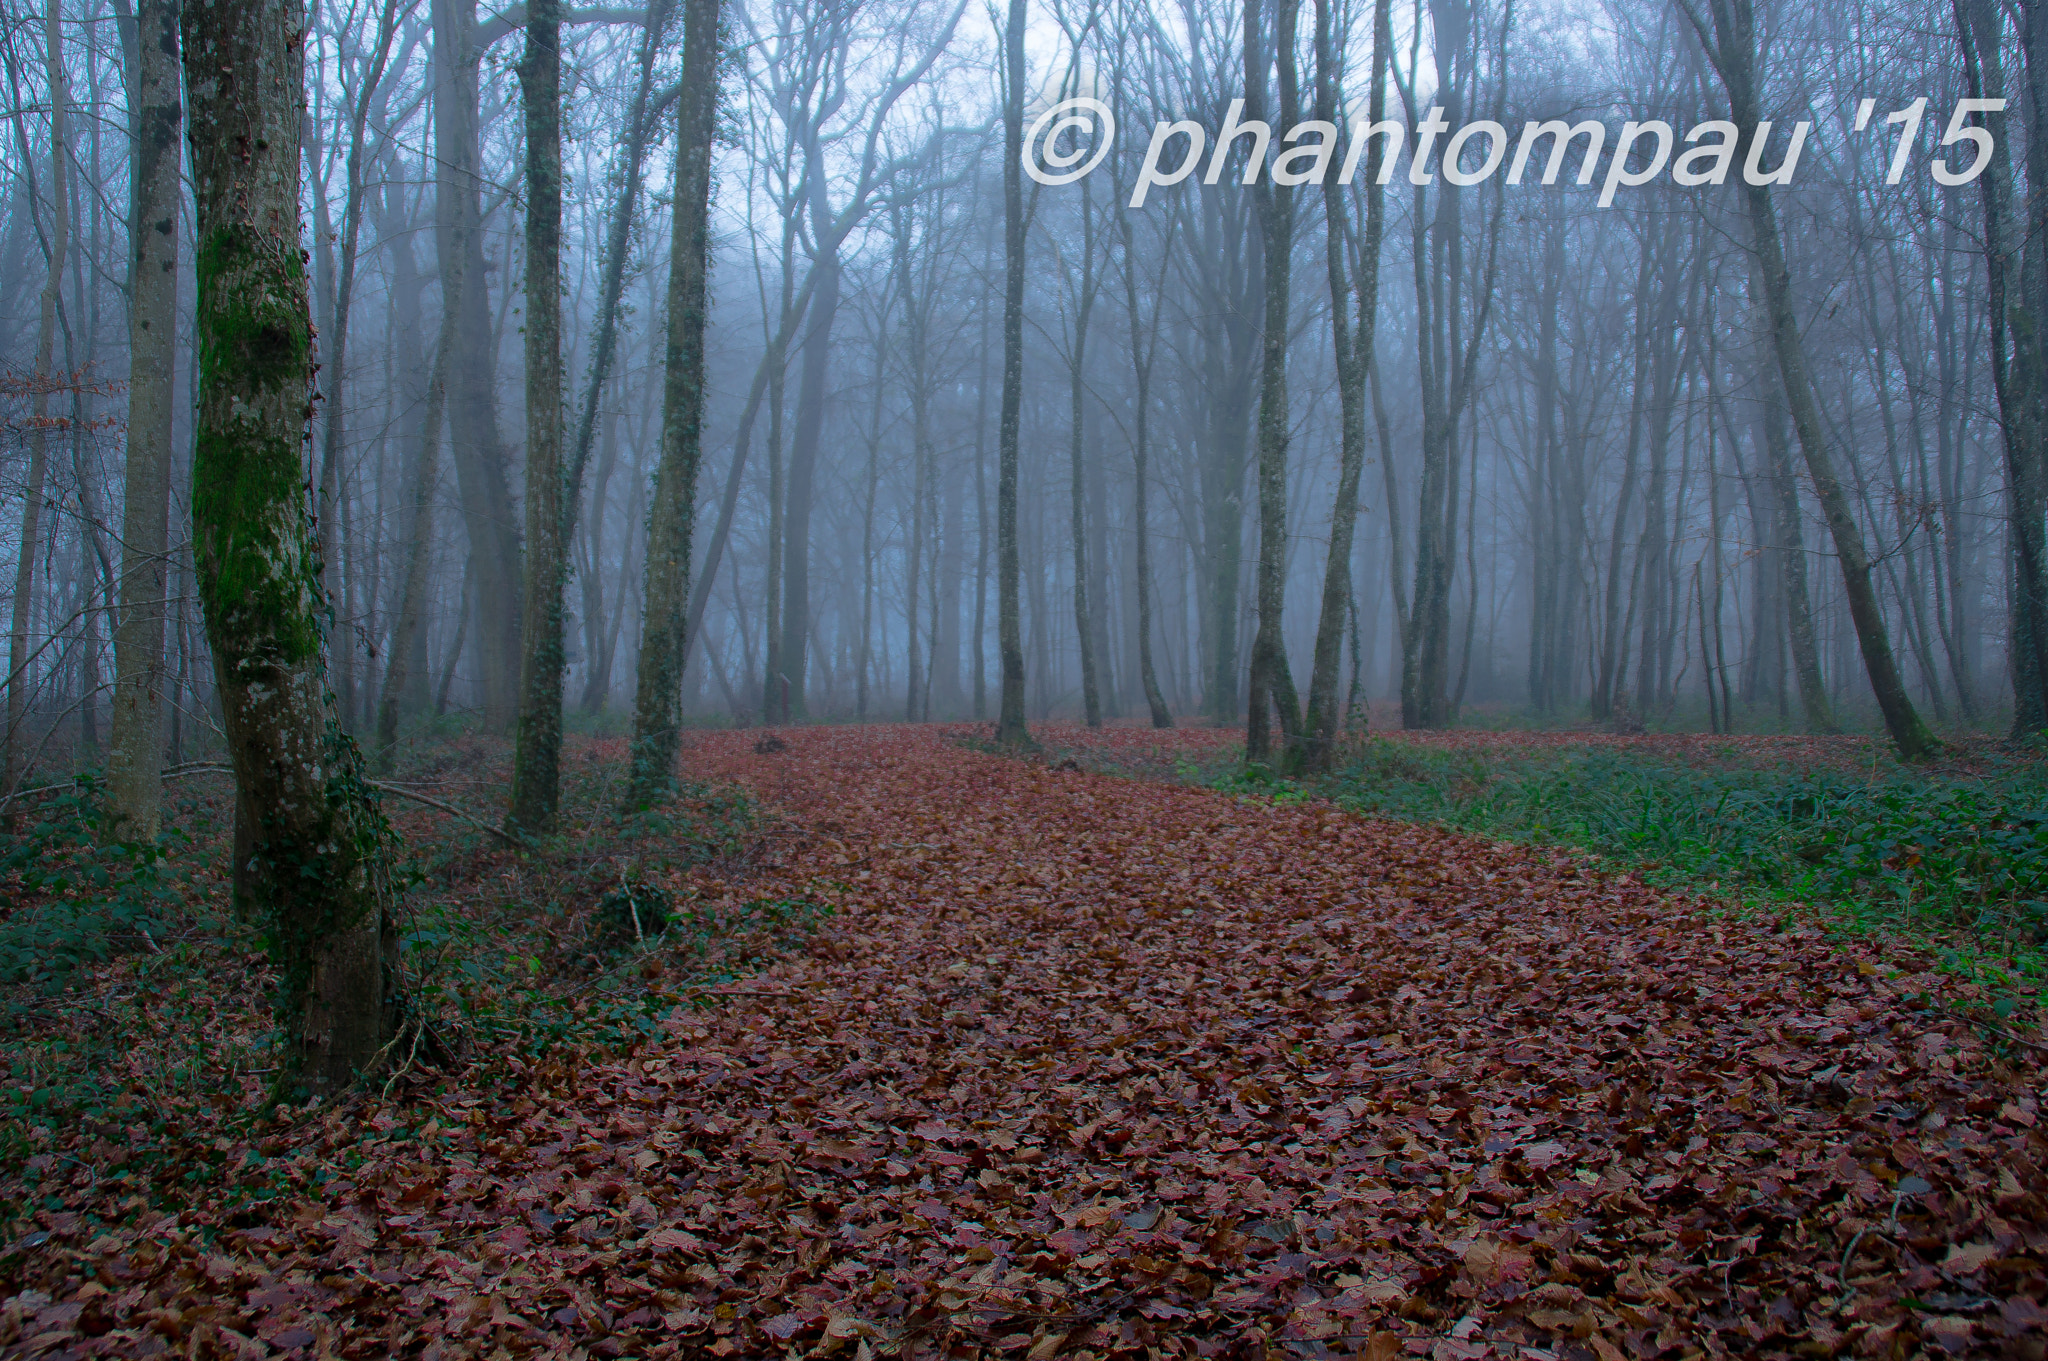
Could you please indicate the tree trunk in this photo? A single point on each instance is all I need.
(135, 759)
(537, 750)
(1010, 730)
(793, 644)
(1271, 687)
(338, 289)
(19, 682)
(1732, 46)
(411, 365)
(1144, 352)
(597, 656)
(1546, 536)
(537, 758)
(318, 869)
(1354, 356)
(657, 707)
(1612, 632)
(478, 452)
(2018, 308)
(1227, 370)
(981, 535)
(408, 629)
(774, 692)
(1077, 496)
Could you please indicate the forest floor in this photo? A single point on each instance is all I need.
(1040, 1061)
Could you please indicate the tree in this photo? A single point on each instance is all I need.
(478, 452)
(537, 752)
(1084, 290)
(555, 484)
(337, 286)
(1353, 350)
(657, 708)
(809, 98)
(1447, 358)
(1144, 355)
(2018, 311)
(55, 244)
(410, 623)
(135, 757)
(1010, 730)
(1271, 685)
(319, 867)
(1728, 36)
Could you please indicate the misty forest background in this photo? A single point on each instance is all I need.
(1581, 496)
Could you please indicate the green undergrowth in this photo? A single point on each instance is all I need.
(78, 898)
(603, 979)
(1959, 863)
(136, 1032)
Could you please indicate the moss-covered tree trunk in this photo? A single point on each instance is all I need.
(658, 705)
(135, 758)
(317, 871)
(537, 753)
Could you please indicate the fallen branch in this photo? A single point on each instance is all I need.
(713, 990)
(208, 767)
(452, 811)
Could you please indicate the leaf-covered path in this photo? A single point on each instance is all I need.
(1084, 1065)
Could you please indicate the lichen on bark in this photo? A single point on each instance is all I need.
(313, 845)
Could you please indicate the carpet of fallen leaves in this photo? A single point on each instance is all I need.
(1085, 1066)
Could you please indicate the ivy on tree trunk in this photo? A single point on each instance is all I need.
(658, 704)
(318, 841)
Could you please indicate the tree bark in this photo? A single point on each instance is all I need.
(1271, 687)
(135, 758)
(1354, 356)
(537, 749)
(338, 287)
(1144, 352)
(1010, 730)
(597, 650)
(319, 841)
(793, 641)
(1790, 535)
(473, 437)
(2018, 308)
(1077, 496)
(657, 706)
(19, 682)
(1732, 47)
(410, 625)
(554, 488)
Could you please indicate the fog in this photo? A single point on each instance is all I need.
(1582, 463)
